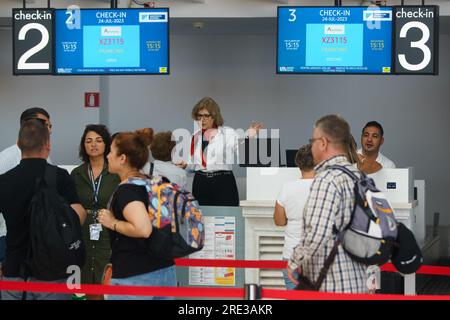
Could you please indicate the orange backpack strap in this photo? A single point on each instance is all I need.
(160, 187)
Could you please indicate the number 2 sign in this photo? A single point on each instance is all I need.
(33, 41)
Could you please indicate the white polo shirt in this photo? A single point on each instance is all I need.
(292, 198)
(9, 158)
(383, 160)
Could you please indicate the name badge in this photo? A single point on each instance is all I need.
(94, 231)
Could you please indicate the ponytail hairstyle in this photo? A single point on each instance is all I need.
(135, 145)
(147, 135)
(352, 154)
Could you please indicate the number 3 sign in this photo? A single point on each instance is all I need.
(33, 41)
(416, 39)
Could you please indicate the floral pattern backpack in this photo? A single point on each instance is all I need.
(178, 227)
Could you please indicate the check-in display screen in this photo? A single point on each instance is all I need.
(334, 40)
(112, 41)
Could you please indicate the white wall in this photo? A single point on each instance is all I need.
(62, 97)
(239, 72)
(210, 8)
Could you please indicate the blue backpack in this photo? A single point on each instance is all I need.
(178, 227)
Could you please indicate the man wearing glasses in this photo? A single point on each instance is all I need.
(10, 158)
(328, 211)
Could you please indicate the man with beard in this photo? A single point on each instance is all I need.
(372, 137)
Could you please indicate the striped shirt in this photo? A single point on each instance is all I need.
(330, 203)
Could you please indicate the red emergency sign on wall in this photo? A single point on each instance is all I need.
(92, 99)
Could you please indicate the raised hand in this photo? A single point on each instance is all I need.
(254, 129)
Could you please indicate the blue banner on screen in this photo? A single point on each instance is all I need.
(112, 41)
(334, 40)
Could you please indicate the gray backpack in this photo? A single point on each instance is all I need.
(370, 236)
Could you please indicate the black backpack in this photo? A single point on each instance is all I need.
(55, 232)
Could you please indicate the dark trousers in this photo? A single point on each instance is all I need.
(216, 190)
(2, 254)
(2, 248)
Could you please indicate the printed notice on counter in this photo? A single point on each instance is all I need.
(220, 243)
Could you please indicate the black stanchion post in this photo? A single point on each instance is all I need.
(436, 224)
(252, 292)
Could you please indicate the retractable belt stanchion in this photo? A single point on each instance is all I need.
(252, 292)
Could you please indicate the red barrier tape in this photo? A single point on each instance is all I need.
(202, 292)
(224, 292)
(278, 264)
(314, 295)
(124, 290)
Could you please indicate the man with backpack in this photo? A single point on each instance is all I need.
(10, 157)
(36, 196)
(327, 212)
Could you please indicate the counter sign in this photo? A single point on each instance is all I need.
(416, 39)
(33, 41)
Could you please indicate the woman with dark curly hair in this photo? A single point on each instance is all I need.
(95, 185)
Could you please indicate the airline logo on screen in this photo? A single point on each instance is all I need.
(377, 15)
(111, 31)
(152, 17)
(334, 29)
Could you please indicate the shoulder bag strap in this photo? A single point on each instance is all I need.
(50, 176)
(152, 168)
(352, 175)
(328, 262)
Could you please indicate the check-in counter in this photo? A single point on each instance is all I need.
(264, 240)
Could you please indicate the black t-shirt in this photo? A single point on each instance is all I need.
(129, 255)
(17, 187)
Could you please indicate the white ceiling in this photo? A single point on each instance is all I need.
(182, 23)
(209, 8)
(180, 26)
